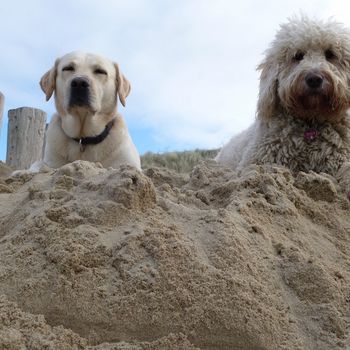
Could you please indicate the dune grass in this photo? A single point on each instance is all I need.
(181, 162)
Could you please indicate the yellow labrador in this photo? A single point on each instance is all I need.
(87, 126)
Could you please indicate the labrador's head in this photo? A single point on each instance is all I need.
(85, 82)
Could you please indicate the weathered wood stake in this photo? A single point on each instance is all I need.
(25, 137)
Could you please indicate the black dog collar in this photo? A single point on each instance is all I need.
(94, 140)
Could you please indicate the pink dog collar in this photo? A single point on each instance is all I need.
(310, 134)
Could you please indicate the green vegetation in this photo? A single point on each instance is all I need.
(181, 162)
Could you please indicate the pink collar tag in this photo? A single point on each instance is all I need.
(310, 134)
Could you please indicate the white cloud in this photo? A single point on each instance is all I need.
(191, 62)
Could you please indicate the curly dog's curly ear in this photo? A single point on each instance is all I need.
(268, 97)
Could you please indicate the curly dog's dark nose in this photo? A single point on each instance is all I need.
(314, 80)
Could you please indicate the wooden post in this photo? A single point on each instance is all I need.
(1, 109)
(25, 137)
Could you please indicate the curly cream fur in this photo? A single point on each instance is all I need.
(287, 107)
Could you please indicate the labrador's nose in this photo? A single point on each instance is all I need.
(80, 92)
(80, 83)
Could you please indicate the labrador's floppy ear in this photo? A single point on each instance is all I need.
(123, 85)
(48, 81)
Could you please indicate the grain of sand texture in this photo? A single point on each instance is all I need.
(103, 259)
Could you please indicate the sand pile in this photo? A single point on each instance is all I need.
(116, 259)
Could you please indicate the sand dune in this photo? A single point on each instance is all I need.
(94, 258)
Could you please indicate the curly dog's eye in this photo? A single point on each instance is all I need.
(329, 54)
(299, 56)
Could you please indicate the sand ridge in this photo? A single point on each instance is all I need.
(213, 259)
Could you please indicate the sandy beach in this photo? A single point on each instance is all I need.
(94, 258)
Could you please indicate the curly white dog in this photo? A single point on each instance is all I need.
(303, 119)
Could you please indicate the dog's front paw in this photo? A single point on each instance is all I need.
(20, 173)
(39, 167)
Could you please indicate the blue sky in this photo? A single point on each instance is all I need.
(191, 63)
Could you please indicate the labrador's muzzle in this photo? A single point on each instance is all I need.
(79, 92)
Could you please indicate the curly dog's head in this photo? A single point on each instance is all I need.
(306, 71)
